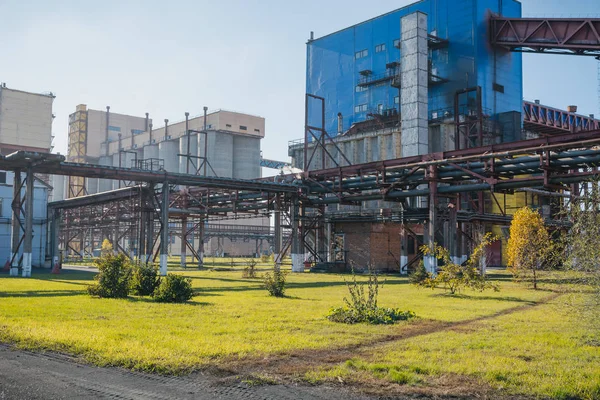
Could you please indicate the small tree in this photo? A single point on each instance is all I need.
(275, 284)
(454, 276)
(529, 245)
(113, 279)
(107, 248)
(581, 242)
(250, 269)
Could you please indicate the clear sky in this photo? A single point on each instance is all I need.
(169, 57)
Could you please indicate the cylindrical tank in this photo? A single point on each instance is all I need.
(150, 151)
(91, 185)
(246, 157)
(104, 185)
(167, 151)
(220, 154)
(58, 185)
(183, 161)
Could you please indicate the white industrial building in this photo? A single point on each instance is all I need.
(230, 148)
(25, 124)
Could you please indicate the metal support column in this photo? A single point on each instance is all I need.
(201, 244)
(164, 239)
(297, 234)
(28, 241)
(185, 194)
(16, 224)
(430, 260)
(277, 242)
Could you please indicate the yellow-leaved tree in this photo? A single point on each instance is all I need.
(107, 247)
(529, 245)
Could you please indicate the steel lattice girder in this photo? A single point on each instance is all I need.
(576, 36)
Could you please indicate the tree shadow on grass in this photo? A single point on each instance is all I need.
(509, 299)
(42, 293)
(150, 300)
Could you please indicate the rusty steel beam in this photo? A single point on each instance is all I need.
(548, 120)
(573, 36)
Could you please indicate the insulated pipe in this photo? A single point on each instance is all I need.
(150, 133)
(184, 220)
(147, 121)
(166, 129)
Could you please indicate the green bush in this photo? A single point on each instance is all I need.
(174, 289)
(374, 316)
(420, 275)
(113, 279)
(362, 307)
(144, 279)
(275, 284)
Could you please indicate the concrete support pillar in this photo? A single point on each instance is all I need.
(451, 235)
(368, 150)
(16, 224)
(277, 244)
(28, 241)
(53, 239)
(396, 145)
(164, 239)
(381, 146)
(403, 251)
(415, 81)
(431, 261)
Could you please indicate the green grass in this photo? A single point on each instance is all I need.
(546, 350)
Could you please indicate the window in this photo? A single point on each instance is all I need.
(397, 100)
(137, 131)
(243, 128)
(498, 88)
(379, 109)
(257, 130)
(114, 128)
(380, 48)
(2, 178)
(397, 43)
(360, 89)
(228, 125)
(361, 108)
(362, 54)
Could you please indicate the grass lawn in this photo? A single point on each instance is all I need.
(518, 341)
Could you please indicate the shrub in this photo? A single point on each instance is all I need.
(362, 307)
(144, 279)
(174, 289)
(113, 279)
(250, 270)
(275, 284)
(420, 275)
(107, 248)
(453, 277)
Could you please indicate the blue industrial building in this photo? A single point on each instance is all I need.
(355, 70)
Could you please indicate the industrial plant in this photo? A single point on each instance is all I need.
(416, 132)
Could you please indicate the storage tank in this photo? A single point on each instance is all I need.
(91, 185)
(220, 154)
(246, 157)
(183, 161)
(167, 151)
(58, 184)
(104, 185)
(116, 184)
(150, 151)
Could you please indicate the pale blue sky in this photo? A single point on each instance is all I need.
(166, 58)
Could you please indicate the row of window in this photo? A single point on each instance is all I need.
(364, 107)
(378, 49)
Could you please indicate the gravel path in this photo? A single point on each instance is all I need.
(27, 375)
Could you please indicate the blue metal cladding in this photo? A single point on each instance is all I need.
(335, 61)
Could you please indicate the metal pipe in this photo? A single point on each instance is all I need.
(16, 224)
(205, 141)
